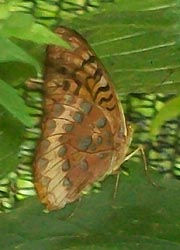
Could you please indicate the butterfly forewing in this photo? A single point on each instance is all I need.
(84, 134)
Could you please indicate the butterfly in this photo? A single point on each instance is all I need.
(84, 133)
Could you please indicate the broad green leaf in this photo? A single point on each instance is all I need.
(145, 5)
(10, 52)
(17, 73)
(141, 217)
(10, 100)
(170, 110)
(139, 45)
(23, 26)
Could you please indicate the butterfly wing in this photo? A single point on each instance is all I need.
(84, 134)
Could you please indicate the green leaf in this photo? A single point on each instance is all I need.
(170, 110)
(11, 135)
(141, 217)
(24, 26)
(145, 5)
(10, 52)
(10, 100)
(138, 44)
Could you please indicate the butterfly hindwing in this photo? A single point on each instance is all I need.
(84, 134)
(76, 149)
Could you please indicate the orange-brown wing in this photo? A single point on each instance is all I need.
(75, 150)
(84, 133)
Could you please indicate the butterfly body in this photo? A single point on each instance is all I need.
(84, 133)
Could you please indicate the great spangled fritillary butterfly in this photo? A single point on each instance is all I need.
(84, 132)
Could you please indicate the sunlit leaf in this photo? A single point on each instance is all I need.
(10, 100)
(28, 29)
(10, 52)
(170, 110)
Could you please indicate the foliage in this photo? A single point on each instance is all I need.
(139, 45)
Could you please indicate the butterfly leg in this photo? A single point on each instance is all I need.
(116, 185)
(141, 149)
(118, 172)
